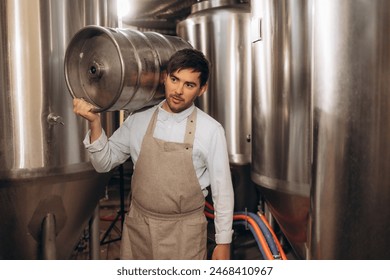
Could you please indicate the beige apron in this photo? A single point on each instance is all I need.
(166, 218)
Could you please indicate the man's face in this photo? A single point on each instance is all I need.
(181, 89)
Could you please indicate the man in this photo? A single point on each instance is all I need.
(177, 151)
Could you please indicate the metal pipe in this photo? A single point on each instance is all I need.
(49, 248)
(94, 235)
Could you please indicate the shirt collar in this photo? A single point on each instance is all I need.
(178, 117)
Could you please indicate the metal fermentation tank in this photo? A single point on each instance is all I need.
(46, 180)
(351, 130)
(281, 104)
(320, 123)
(221, 30)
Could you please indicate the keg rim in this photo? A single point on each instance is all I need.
(86, 32)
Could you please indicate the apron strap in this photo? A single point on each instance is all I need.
(190, 129)
(189, 135)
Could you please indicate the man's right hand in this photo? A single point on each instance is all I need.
(84, 109)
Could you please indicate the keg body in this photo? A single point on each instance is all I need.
(118, 69)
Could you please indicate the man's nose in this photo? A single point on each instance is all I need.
(179, 88)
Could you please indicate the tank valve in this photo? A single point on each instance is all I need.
(54, 119)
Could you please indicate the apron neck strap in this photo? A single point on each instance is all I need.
(189, 135)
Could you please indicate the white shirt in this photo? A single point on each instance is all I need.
(210, 155)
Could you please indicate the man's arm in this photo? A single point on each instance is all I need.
(222, 194)
(104, 154)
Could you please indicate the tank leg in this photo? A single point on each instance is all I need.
(49, 237)
(94, 235)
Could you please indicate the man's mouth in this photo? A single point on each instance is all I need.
(176, 99)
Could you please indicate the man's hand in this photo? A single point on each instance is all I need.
(221, 252)
(84, 109)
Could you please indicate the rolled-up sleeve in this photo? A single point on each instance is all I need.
(96, 146)
(105, 154)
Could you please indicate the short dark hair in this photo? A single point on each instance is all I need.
(190, 59)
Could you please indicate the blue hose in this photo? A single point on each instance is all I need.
(254, 235)
(264, 229)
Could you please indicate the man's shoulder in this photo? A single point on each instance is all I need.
(140, 117)
(207, 121)
(143, 112)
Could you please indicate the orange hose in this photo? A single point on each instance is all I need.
(253, 223)
(282, 254)
(259, 234)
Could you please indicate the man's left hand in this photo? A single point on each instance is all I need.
(221, 252)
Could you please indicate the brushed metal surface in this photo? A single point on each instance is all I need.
(321, 98)
(41, 151)
(221, 30)
(281, 112)
(351, 99)
(118, 69)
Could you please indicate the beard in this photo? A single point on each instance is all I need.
(176, 103)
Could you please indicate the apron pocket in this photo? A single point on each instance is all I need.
(139, 237)
(193, 239)
(181, 239)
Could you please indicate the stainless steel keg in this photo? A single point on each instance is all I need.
(118, 69)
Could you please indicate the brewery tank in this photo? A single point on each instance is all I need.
(44, 169)
(351, 96)
(221, 30)
(281, 104)
(320, 133)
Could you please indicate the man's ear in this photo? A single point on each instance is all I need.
(203, 90)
